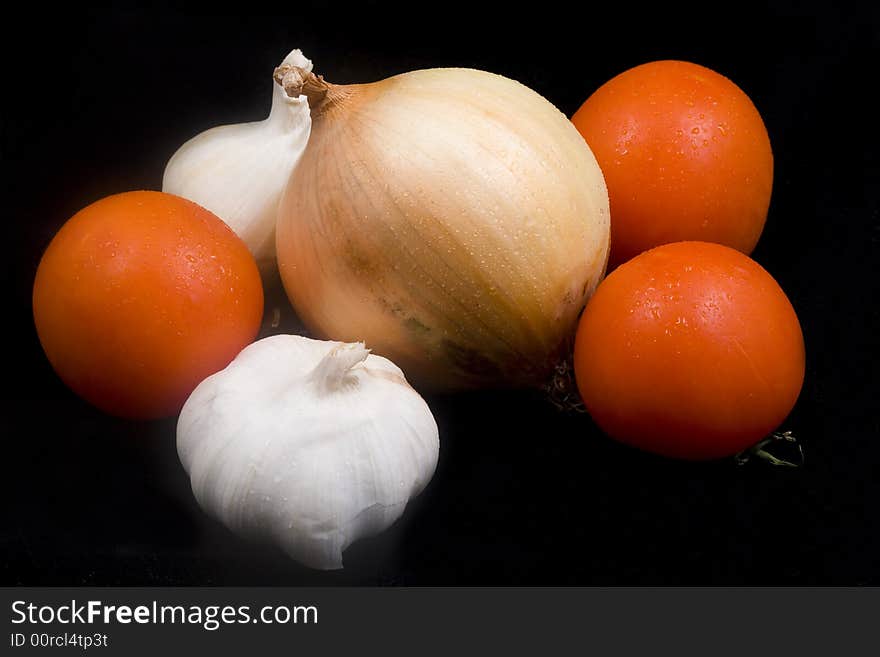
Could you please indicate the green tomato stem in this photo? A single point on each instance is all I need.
(758, 451)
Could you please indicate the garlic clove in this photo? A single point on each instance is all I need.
(239, 171)
(307, 443)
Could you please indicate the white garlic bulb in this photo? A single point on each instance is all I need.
(238, 172)
(310, 443)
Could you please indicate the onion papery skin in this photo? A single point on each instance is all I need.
(452, 219)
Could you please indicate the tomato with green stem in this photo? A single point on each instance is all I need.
(689, 350)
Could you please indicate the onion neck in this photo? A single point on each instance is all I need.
(321, 95)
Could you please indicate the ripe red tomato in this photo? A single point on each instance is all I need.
(142, 295)
(686, 156)
(689, 350)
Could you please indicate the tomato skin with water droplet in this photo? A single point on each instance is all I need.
(685, 154)
(690, 350)
(139, 297)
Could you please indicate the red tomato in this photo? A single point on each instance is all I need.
(142, 295)
(689, 350)
(685, 155)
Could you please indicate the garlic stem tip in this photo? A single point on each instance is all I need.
(333, 368)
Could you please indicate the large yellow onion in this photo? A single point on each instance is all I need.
(452, 219)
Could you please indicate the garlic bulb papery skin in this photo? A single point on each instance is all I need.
(453, 219)
(238, 172)
(308, 443)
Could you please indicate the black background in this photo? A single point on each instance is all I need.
(96, 100)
